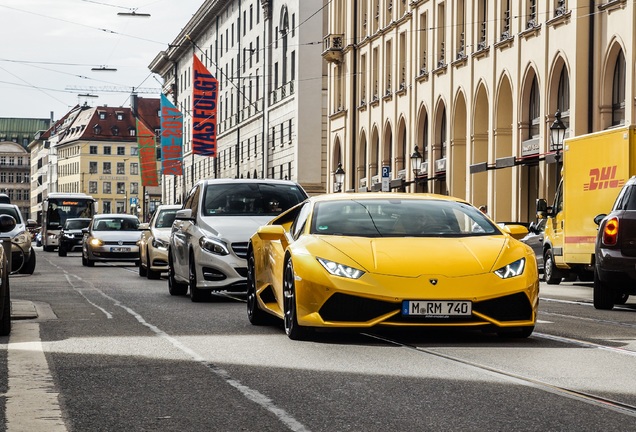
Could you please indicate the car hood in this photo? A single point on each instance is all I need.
(161, 233)
(415, 256)
(127, 236)
(233, 228)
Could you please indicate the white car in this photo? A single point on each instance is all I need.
(208, 243)
(111, 237)
(153, 244)
(22, 253)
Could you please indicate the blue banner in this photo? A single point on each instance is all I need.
(171, 138)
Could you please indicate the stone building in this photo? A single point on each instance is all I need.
(475, 85)
(271, 119)
(14, 175)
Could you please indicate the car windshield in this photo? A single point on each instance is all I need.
(11, 211)
(400, 218)
(116, 224)
(76, 224)
(242, 199)
(165, 218)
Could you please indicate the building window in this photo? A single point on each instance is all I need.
(120, 116)
(106, 168)
(134, 168)
(93, 149)
(121, 151)
(134, 188)
(121, 188)
(107, 150)
(134, 151)
(92, 187)
(618, 91)
(121, 167)
(132, 132)
(102, 115)
(92, 167)
(115, 130)
(563, 97)
(106, 187)
(534, 110)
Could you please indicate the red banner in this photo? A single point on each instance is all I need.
(204, 97)
(147, 155)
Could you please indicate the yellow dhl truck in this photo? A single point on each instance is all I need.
(595, 167)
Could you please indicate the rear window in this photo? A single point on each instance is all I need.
(76, 224)
(242, 199)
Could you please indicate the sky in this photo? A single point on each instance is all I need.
(50, 46)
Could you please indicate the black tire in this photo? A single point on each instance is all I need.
(604, 296)
(551, 273)
(175, 288)
(518, 333)
(254, 313)
(48, 248)
(151, 274)
(290, 321)
(84, 262)
(5, 318)
(90, 262)
(61, 251)
(196, 294)
(143, 271)
(29, 266)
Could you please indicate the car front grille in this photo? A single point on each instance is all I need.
(117, 243)
(240, 249)
(348, 308)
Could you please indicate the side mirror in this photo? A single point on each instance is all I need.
(7, 223)
(516, 231)
(185, 214)
(144, 226)
(273, 233)
(85, 230)
(599, 218)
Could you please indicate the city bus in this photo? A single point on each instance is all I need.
(56, 208)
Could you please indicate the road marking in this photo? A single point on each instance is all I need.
(32, 402)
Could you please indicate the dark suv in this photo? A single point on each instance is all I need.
(615, 251)
(71, 235)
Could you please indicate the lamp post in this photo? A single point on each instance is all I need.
(557, 134)
(338, 177)
(416, 164)
(146, 205)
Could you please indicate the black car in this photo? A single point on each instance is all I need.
(534, 239)
(70, 237)
(615, 251)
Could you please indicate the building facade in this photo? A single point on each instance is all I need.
(475, 85)
(94, 150)
(22, 130)
(271, 118)
(14, 175)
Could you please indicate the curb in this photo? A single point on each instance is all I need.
(23, 309)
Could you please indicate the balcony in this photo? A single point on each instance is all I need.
(332, 48)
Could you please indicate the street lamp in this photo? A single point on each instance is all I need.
(416, 164)
(557, 134)
(338, 176)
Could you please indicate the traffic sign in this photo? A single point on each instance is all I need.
(386, 178)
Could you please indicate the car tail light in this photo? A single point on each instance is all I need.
(610, 232)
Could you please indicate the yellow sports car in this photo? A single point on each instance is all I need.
(359, 260)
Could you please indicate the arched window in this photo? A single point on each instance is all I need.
(534, 111)
(618, 91)
(442, 135)
(563, 97)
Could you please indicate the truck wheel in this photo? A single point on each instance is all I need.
(604, 296)
(551, 273)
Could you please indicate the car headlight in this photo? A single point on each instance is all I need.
(20, 238)
(341, 270)
(159, 244)
(95, 242)
(215, 246)
(511, 270)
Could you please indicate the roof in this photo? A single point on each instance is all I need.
(11, 147)
(382, 196)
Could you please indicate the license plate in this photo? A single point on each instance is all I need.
(437, 308)
(120, 249)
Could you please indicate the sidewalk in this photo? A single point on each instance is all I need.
(23, 309)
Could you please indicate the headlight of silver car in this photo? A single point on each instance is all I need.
(20, 238)
(159, 244)
(341, 270)
(213, 245)
(511, 270)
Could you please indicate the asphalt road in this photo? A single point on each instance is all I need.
(110, 351)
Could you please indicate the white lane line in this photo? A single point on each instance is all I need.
(108, 314)
(32, 403)
(249, 393)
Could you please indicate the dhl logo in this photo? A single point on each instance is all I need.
(603, 178)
